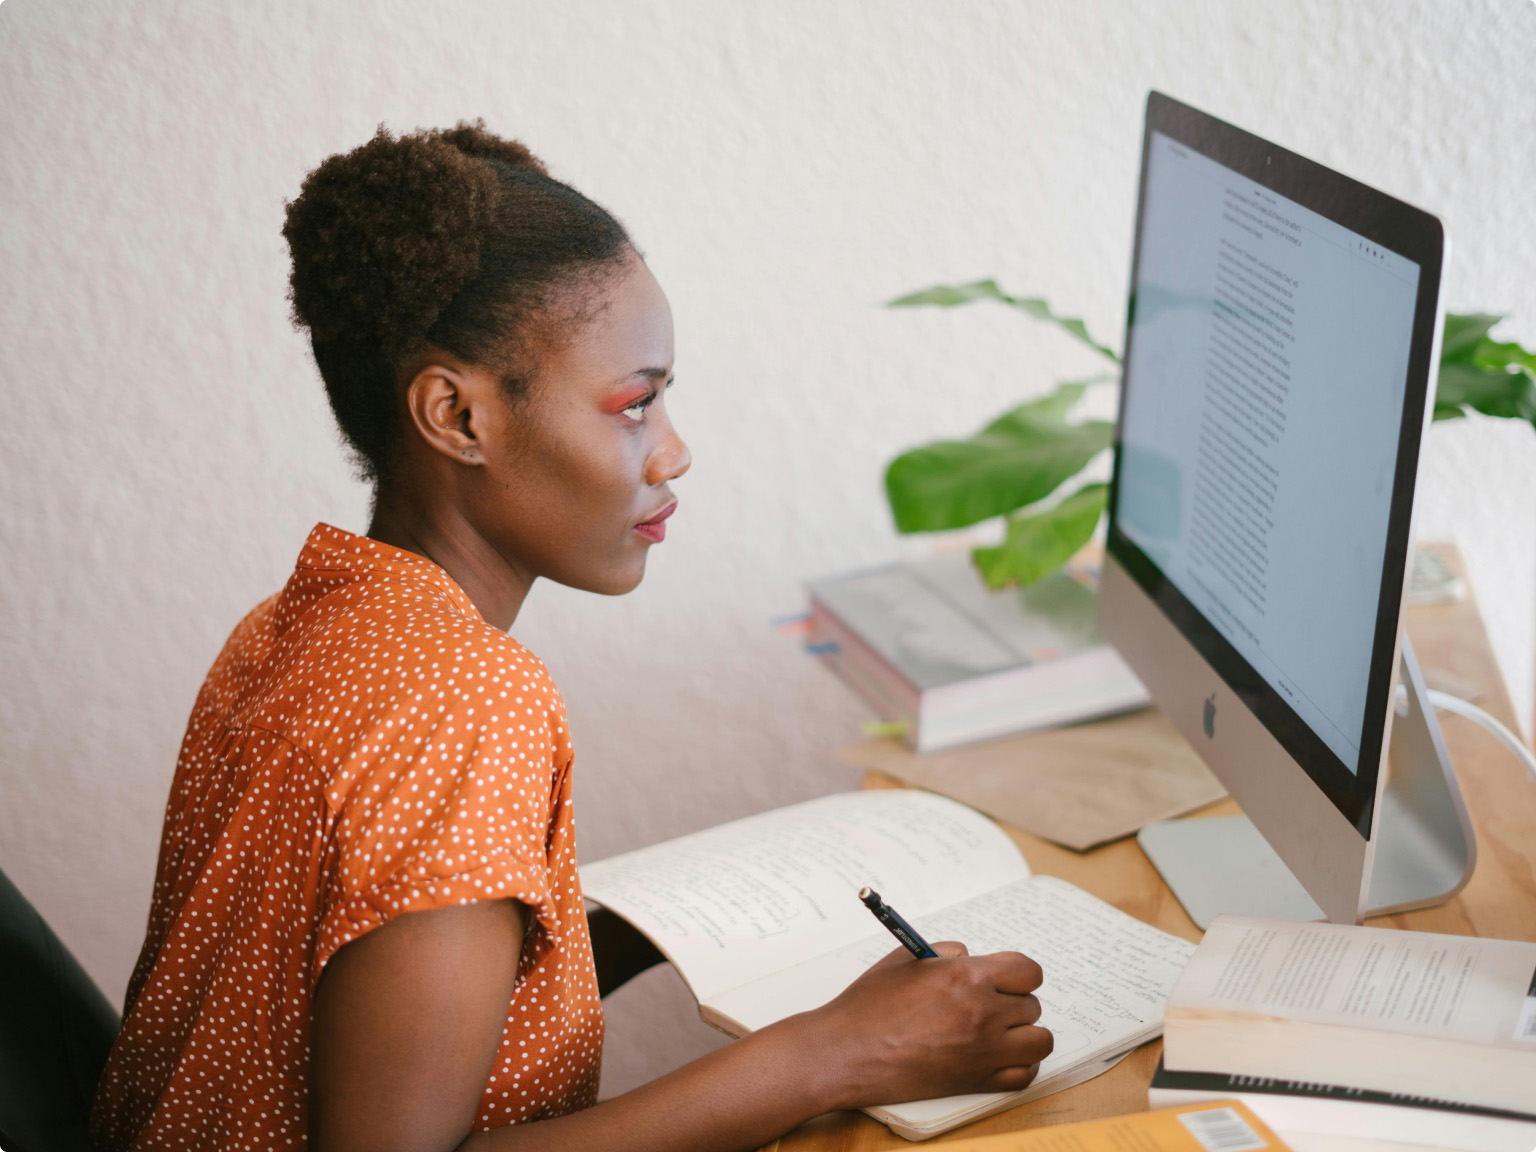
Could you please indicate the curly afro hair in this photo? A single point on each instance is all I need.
(454, 238)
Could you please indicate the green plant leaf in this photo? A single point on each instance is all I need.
(1021, 457)
(1037, 545)
(1492, 354)
(1463, 333)
(1491, 391)
(952, 295)
(1052, 408)
(1482, 374)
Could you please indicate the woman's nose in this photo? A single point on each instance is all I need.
(669, 460)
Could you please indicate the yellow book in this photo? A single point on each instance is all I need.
(1220, 1126)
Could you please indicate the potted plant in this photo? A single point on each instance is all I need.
(1022, 465)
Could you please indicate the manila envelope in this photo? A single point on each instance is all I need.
(1079, 786)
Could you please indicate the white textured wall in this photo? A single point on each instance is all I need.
(164, 443)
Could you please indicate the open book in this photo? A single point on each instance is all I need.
(1416, 1013)
(762, 919)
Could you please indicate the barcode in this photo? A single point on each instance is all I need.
(1222, 1130)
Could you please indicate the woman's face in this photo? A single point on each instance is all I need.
(575, 487)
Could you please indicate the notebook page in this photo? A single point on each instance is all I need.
(733, 903)
(1107, 975)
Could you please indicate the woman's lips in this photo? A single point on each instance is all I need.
(655, 529)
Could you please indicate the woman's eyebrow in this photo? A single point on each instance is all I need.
(654, 375)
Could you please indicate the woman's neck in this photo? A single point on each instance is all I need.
(444, 536)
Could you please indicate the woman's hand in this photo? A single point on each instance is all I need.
(909, 1029)
(407, 1020)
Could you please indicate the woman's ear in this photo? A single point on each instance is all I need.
(444, 405)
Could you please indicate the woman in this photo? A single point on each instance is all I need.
(367, 930)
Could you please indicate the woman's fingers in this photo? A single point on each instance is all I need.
(917, 1028)
(1029, 1044)
(1022, 1011)
(1022, 1049)
(1014, 972)
(1012, 1079)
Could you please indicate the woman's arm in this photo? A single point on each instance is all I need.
(619, 949)
(408, 1019)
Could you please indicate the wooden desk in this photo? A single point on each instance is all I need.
(1500, 900)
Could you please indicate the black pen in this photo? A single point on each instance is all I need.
(898, 927)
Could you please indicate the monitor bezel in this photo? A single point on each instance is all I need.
(1391, 224)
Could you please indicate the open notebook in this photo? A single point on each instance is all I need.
(762, 919)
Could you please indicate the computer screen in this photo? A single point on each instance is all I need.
(1274, 396)
(1259, 445)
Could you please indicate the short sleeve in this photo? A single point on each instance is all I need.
(450, 810)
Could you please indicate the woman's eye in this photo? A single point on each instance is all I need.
(636, 411)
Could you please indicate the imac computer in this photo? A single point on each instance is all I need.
(1280, 352)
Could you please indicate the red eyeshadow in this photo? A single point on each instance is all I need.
(627, 399)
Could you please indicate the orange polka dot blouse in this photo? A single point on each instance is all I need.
(366, 745)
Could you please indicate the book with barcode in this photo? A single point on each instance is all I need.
(932, 648)
(1220, 1126)
(1419, 1014)
(1326, 1109)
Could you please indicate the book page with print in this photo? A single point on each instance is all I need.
(734, 903)
(1456, 987)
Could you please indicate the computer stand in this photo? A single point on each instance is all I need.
(1425, 849)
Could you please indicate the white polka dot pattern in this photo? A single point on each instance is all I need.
(365, 745)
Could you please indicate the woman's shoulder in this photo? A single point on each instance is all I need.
(429, 631)
(386, 662)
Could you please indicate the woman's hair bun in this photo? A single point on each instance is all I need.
(471, 138)
(453, 238)
(384, 236)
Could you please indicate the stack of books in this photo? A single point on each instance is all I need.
(949, 661)
(1367, 1032)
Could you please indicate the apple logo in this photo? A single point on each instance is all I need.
(1209, 715)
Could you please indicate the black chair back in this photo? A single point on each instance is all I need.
(55, 1031)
